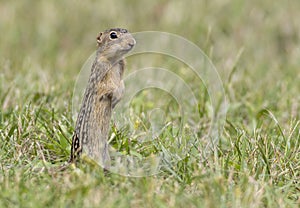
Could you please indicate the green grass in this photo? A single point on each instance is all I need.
(255, 47)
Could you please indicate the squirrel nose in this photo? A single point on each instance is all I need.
(132, 42)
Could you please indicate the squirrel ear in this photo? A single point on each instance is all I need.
(99, 40)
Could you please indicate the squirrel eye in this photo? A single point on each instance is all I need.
(113, 35)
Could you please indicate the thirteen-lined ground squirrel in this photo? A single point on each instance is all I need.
(104, 90)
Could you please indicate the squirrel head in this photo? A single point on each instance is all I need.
(114, 43)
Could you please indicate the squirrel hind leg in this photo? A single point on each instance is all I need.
(75, 149)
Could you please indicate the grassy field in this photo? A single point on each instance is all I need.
(255, 48)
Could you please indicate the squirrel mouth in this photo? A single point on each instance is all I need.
(129, 46)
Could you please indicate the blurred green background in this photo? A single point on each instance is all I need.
(45, 43)
(58, 36)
